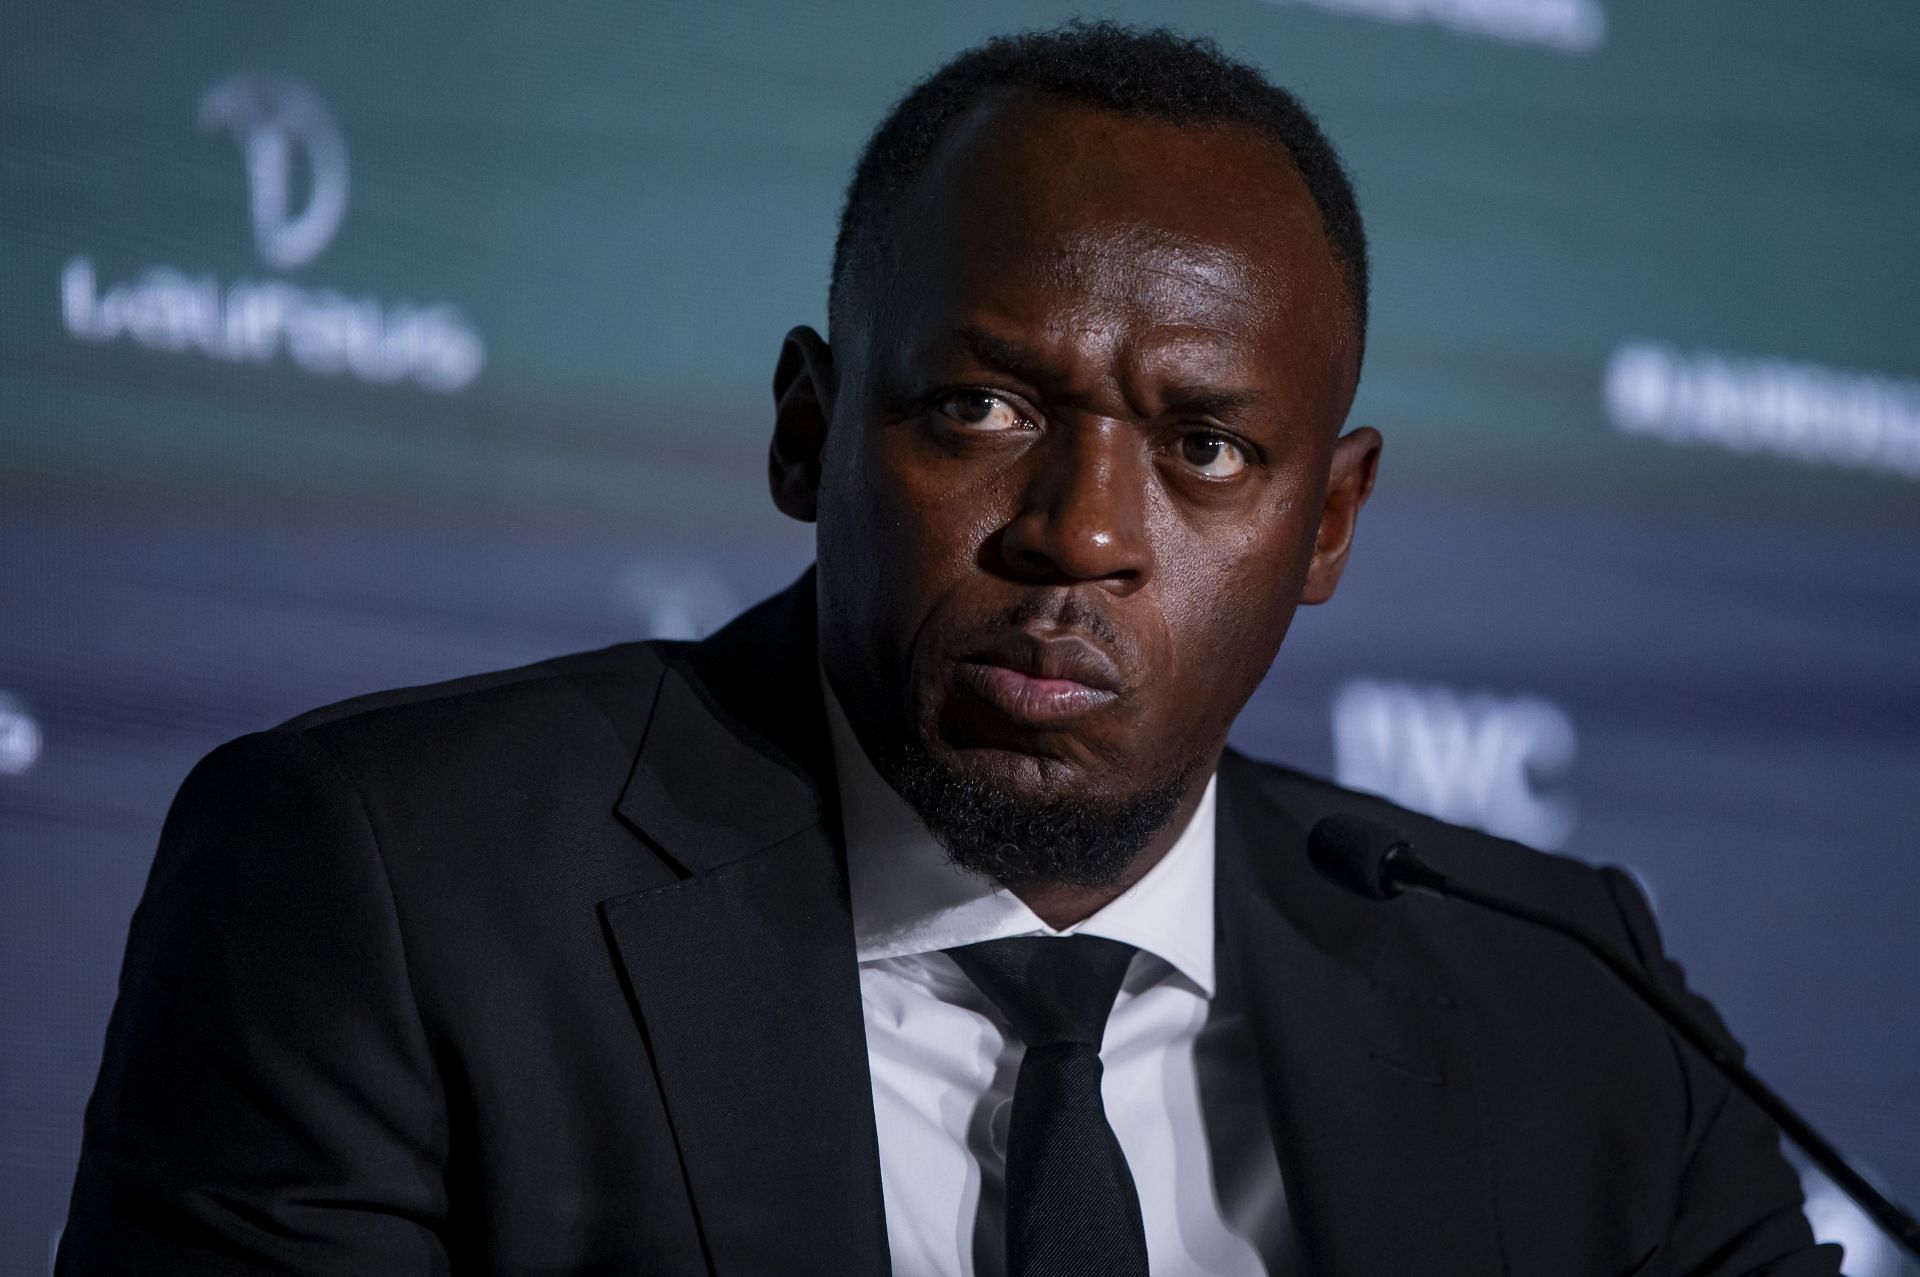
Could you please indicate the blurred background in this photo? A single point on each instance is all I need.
(366, 344)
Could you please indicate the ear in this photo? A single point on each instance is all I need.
(803, 388)
(1356, 458)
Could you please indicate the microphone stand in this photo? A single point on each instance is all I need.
(1404, 868)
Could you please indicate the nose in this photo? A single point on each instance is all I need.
(1082, 510)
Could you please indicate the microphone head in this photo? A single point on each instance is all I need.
(1353, 852)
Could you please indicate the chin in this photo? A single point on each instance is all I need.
(1087, 757)
(1020, 818)
(1053, 769)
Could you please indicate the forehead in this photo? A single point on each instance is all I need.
(1047, 212)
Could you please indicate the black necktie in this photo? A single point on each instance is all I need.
(1072, 1210)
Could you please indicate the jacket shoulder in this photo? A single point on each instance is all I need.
(608, 690)
(1588, 893)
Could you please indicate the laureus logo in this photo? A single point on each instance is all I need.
(1567, 26)
(282, 127)
(295, 156)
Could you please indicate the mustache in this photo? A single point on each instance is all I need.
(1068, 611)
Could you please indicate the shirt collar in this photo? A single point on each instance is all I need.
(908, 898)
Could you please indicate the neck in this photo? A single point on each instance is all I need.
(1061, 904)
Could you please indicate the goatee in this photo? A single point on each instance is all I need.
(1018, 839)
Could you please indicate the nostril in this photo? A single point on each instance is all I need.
(1036, 561)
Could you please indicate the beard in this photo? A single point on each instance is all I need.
(1019, 839)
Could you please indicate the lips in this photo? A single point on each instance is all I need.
(1042, 680)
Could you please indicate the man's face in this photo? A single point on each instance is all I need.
(1075, 469)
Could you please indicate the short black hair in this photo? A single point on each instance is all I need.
(1153, 73)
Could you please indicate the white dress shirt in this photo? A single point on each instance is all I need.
(1180, 1085)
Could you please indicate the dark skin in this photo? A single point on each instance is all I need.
(1082, 462)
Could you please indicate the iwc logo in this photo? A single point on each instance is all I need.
(294, 156)
(1469, 757)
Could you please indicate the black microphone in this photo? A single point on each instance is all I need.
(1376, 861)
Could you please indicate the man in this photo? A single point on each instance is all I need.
(921, 917)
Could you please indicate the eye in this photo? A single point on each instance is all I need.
(979, 410)
(1213, 455)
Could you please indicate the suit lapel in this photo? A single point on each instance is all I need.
(744, 980)
(743, 973)
(1369, 1070)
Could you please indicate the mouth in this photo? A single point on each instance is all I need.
(1042, 681)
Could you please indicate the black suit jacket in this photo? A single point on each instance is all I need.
(552, 971)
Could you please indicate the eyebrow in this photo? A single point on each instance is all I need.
(1023, 361)
(1213, 401)
(1031, 365)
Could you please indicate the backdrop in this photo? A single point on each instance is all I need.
(351, 345)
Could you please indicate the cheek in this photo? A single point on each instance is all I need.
(1229, 591)
(899, 542)
(933, 517)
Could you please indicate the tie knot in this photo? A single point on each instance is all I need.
(1053, 990)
